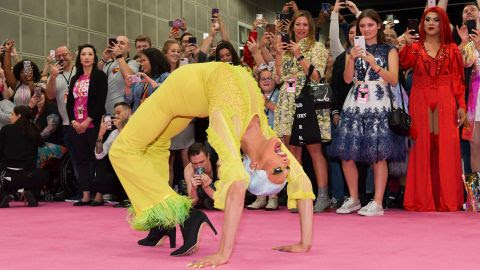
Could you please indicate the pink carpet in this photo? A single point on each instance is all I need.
(60, 236)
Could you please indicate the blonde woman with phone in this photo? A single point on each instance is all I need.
(297, 54)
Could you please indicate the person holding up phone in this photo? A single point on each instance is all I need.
(437, 107)
(247, 55)
(116, 63)
(140, 86)
(207, 51)
(106, 181)
(297, 51)
(21, 79)
(363, 134)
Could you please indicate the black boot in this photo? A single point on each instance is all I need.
(190, 232)
(30, 199)
(4, 199)
(4, 196)
(155, 236)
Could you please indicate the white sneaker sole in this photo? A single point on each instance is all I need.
(349, 211)
(371, 214)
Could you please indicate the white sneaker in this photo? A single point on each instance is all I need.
(259, 203)
(272, 203)
(350, 205)
(371, 209)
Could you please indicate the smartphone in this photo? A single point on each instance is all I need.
(270, 28)
(259, 17)
(278, 17)
(27, 67)
(215, 12)
(52, 54)
(325, 7)
(192, 40)
(413, 25)
(390, 17)
(37, 91)
(112, 42)
(431, 3)
(360, 42)
(107, 119)
(199, 171)
(286, 38)
(471, 24)
(135, 78)
(183, 62)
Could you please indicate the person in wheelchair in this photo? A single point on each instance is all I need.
(19, 142)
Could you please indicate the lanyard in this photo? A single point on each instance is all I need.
(364, 63)
(69, 77)
(144, 93)
(270, 99)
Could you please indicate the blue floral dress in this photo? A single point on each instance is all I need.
(363, 134)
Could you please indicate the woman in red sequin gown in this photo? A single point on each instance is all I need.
(437, 107)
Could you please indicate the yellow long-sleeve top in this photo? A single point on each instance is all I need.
(234, 99)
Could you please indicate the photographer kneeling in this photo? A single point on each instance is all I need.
(106, 181)
(200, 174)
(19, 142)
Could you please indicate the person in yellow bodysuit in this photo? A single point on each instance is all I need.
(230, 97)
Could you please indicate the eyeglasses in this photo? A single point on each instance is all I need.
(268, 79)
(61, 56)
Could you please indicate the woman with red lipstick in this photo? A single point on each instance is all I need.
(363, 132)
(85, 107)
(293, 61)
(437, 107)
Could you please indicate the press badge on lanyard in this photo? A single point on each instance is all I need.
(362, 96)
(65, 95)
(80, 111)
(291, 85)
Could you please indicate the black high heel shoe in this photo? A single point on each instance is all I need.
(155, 236)
(190, 232)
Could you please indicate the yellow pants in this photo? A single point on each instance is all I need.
(140, 154)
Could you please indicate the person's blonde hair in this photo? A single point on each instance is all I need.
(311, 27)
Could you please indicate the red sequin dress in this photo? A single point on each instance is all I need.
(434, 180)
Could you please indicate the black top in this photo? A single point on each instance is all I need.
(16, 150)
(42, 122)
(339, 87)
(97, 96)
(467, 71)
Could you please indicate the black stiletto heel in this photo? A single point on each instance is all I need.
(155, 236)
(190, 232)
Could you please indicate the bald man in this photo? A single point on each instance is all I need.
(117, 65)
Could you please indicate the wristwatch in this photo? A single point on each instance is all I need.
(300, 58)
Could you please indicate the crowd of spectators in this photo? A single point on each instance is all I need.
(83, 97)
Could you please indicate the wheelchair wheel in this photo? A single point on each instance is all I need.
(67, 179)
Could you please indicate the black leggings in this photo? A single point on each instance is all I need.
(32, 180)
(106, 181)
(84, 145)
